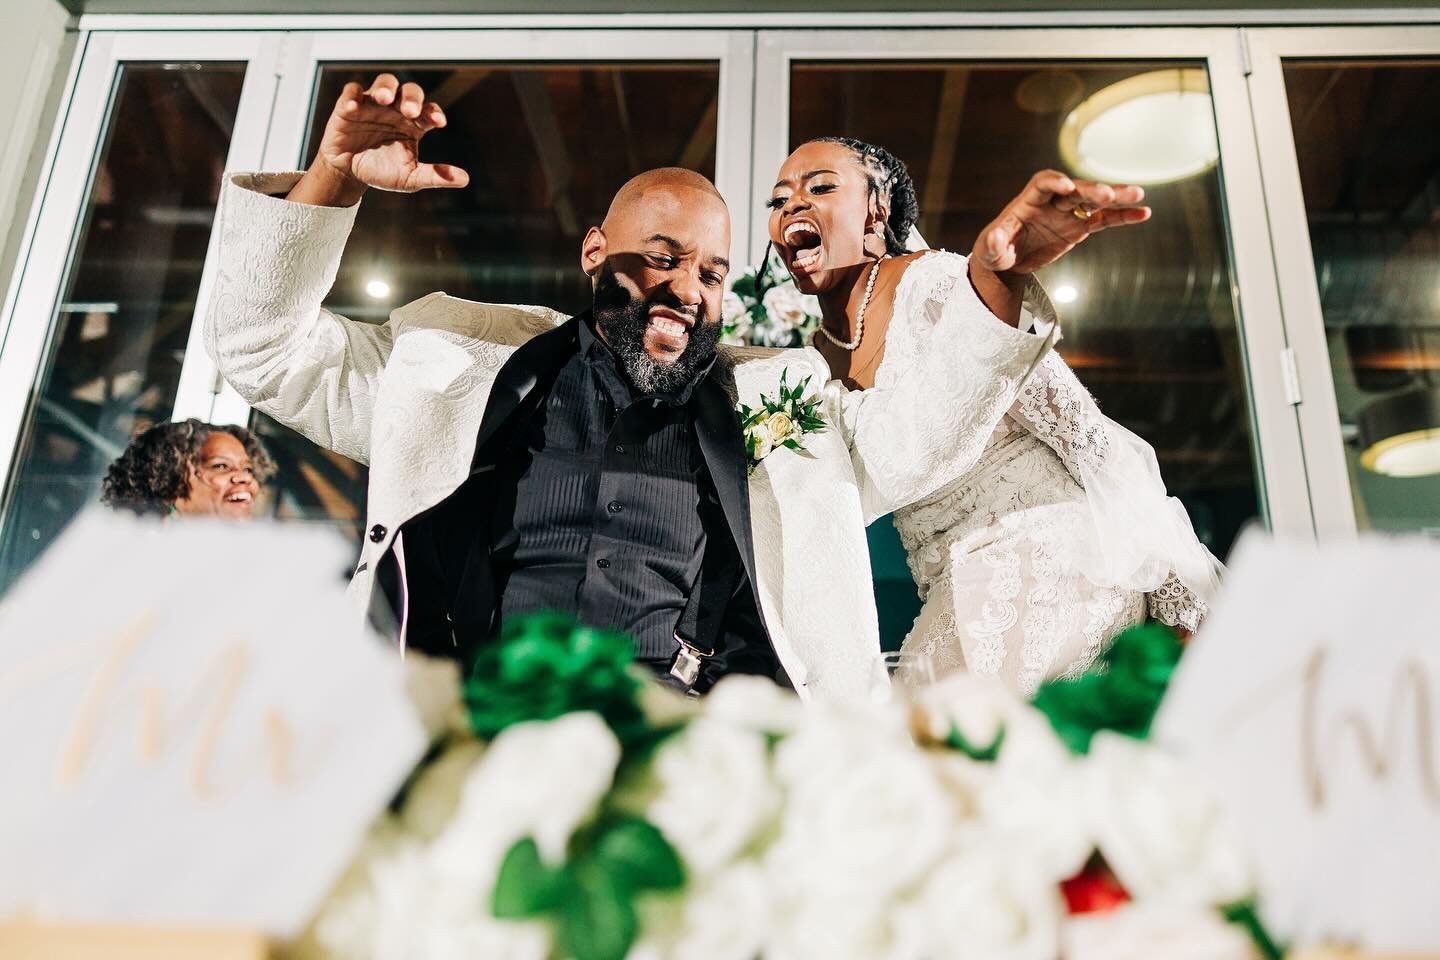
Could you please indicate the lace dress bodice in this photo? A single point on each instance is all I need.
(1082, 487)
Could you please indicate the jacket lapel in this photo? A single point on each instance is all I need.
(724, 451)
(534, 361)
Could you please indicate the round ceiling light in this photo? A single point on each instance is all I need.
(1152, 128)
(1400, 434)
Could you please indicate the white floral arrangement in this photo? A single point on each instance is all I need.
(956, 824)
(763, 308)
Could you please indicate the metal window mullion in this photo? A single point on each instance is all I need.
(1327, 470)
(44, 261)
(196, 393)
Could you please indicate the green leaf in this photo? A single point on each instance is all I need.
(526, 887)
(1244, 914)
(1121, 692)
(957, 741)
(637, 855)
(793, 444)
(544, 666)
(597, 919)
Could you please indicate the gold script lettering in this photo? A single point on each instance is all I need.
(210, 701)
(1320, 740)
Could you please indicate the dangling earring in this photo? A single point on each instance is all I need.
(874, 245)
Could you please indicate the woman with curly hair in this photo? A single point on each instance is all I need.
(191, 468)
(1040, 527)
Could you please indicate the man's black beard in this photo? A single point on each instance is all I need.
(623, 320)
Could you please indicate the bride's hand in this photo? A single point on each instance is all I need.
(1040, 225)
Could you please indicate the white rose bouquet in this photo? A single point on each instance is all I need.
(764, 309)
(590, 815)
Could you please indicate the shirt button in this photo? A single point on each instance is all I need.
(615, 506)
(377, 533)
(619, 448)
(603, 563)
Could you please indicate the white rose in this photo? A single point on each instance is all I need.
(664, 706)
(974, 706)
(1160, 830)
(772, 333)
(842, 928)
(865, 810)
(985, 901)
(754, 703)
(732, 307)
(764, 442)
(434, 687)
(1149, 931)
(434, 797)
(736, 316)
(788, 306)
(715, 791)
(726, 916)
(540, 779)
(1027, 796)
(403, 912)
(780, 425)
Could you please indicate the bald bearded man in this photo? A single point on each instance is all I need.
(522, 461)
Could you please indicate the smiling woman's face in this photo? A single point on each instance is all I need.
(223, 482)
(820, 207)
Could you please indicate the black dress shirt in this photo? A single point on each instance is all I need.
(602, 515)
(588, 499)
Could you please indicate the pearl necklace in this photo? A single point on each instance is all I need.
(853, 345)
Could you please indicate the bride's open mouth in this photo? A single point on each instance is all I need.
(803, 244)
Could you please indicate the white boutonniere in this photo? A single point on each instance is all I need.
(780, 423)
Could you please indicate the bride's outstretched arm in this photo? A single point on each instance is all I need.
(1142, 538)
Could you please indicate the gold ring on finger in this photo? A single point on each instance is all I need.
(1081, 213)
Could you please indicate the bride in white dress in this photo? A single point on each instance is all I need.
(1041, 533)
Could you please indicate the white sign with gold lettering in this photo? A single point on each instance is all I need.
(1312, 699)
(191, 729)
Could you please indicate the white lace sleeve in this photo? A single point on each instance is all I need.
(1176, 604)
(951, 370)
(1141, 538)
(311, 369)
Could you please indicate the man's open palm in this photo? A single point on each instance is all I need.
(373, 136)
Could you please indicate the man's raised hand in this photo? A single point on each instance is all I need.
(372, 139)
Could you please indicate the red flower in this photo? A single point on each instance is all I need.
(1094, 889)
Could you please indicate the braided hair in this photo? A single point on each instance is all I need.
(154, 470)
(890, 186)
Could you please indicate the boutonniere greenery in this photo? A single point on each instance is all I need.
(782, 422)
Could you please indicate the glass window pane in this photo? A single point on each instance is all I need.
(121, 327)
(546, 147)
(1150, 320)
(1370, 172)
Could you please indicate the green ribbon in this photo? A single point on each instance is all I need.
(589, 900)
(546, 665)
(1120, 692)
